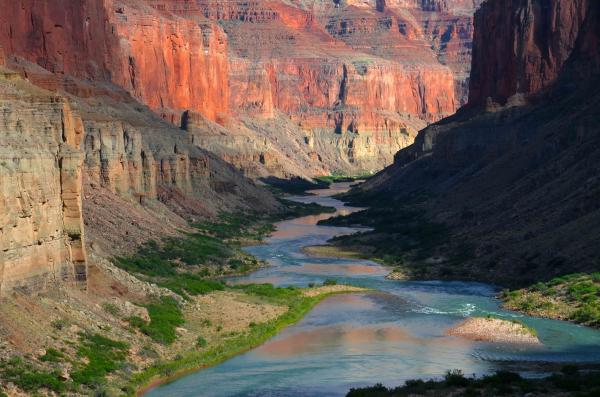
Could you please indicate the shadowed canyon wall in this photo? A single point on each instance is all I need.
(534, 40)
(515, 174)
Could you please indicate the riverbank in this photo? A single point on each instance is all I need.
(244, 332)
(574, 297)
(416, 248)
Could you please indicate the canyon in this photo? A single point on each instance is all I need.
(138, 139)
(127, 119)
(277, 88)
(520, 156)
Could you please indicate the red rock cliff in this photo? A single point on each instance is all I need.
(363, 75)
(168, 62)
(520, 46)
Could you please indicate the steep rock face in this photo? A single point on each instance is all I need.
(379, 69)
(42, 236)
(533, 39)
(517, 183)
(353, 69)
(142, 177)
(118, 41)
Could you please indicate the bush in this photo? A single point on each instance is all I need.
(52, 355)
(270, 292)
(455, 377)
(330, 281)
(201, 342)
(111, 308)
(29, 378)
(184, 284)
(59, 324)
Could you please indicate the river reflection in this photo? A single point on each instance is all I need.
(388, 336)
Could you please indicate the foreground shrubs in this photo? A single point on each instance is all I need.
(501, 383)
(31, 379)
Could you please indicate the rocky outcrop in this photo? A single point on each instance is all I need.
(533, 39)
(41, 233)
(514, 177)
(117, 41)
(102, 160)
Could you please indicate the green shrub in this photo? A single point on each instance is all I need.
(29, 378)
(59, 324)
(52, 355)
(329, 281)
(103, 355)
(268, 291)
(184, 284)
(455, 377)
(587, 314)
(136, 321)
(201, 342)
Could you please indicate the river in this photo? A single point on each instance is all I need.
(392, 334)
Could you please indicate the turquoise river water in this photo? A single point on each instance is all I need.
(395, 333)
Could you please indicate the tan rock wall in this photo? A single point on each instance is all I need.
(41, 227)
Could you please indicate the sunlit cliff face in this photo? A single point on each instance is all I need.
(348, 83)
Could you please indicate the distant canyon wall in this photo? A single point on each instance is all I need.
(368, 73)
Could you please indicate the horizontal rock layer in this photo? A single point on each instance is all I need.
(376, 68)
(141, 178)
(41, 232)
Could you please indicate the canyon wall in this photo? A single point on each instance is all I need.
(98, 171)
(515, 177)
(361, 74)
(167, 62)
(533, 40)
(110, 105)
(41, 225)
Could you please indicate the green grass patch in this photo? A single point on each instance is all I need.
(103, 356)
(52, 355)
(165, 316)
(31, 379)
(191, 284)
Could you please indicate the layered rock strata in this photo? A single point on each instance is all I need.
(376, 70)
(104, 161)
(41, 233)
